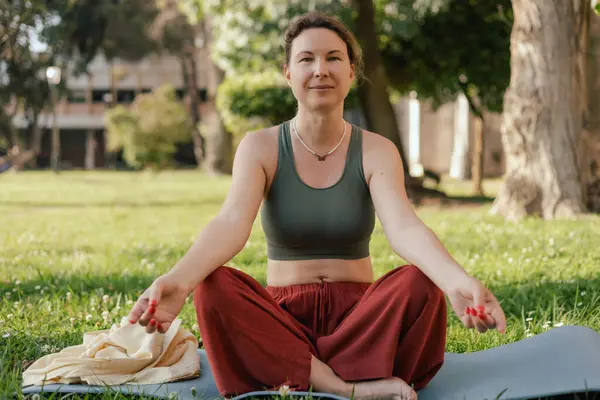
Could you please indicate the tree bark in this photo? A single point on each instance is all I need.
(543, 111)
(591, 159)
(373, 93)
(188, 68)
(219, 157)
(478, 146)
(219, 154)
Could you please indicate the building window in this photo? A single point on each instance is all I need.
(76, 96)
(98, 95)
(125, 96)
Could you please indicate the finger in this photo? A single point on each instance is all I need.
(151, 327)
(479, 297)
(154, 294)
(135, 313)
(147, 315)
(479, 325)
(487, 320)
(150, 303)
(163, 327)
(467, 321)
(499, 318)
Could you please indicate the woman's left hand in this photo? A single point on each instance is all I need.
(476, 306)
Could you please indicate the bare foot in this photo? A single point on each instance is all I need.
(385, 389)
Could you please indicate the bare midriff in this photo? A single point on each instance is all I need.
(297, 272)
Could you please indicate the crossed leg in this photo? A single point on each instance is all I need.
(394, 334)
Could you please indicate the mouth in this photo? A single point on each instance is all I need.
(321, 87)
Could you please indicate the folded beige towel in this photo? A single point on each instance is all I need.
(125, 354)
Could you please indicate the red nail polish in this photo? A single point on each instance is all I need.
(153, 302)
(152, 309)
(481, 316)
(131, 321)
(472, 311)
(152, 322)
(480, 308)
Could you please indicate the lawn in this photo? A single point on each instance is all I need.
(78, 248)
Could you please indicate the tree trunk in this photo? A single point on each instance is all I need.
(543, 111)
(219, 154)
(373, 93)
(90, 138)
(459, 161)
(478, 146)
(219, 157)
(188, 70)
(591, 159)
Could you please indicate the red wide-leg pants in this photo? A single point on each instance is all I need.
(260, 338)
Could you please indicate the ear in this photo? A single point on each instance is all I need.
(287, 74)
(352, 72)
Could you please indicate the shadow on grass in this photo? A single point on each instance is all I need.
(517, 298)
(522, 297)
(79, 283)
(215, 201)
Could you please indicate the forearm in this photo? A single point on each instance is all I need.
(420, 246)
(219, 241)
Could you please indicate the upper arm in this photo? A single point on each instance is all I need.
(387, 188)
(248, 181)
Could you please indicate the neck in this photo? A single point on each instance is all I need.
(320, 131)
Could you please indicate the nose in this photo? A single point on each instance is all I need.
(321, 69)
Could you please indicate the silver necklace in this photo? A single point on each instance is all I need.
(320, 158)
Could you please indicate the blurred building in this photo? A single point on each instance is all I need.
(438, 140)
(80, 115)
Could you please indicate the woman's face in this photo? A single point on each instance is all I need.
(319, 70)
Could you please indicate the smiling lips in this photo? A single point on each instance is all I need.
(322, 87)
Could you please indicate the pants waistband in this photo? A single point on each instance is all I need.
(358, 287)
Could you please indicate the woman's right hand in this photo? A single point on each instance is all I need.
(160, 304)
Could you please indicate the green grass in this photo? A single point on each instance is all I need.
(103, 237)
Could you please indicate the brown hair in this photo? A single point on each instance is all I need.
(315, 19)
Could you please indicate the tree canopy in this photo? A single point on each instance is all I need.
(436, 48)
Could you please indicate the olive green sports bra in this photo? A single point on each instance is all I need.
(301, 222)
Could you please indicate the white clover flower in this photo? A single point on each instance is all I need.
(284, 390)
(69, 296)
(195, 328)
(71, 320)
(9, 316)
(105, 298)
(88, 317)
(559, 324)
(17, 282)
(6, 335)
(529, 319)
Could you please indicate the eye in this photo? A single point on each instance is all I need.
(305, 59)
(334, 58)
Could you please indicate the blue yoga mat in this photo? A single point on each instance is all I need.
(559, 361)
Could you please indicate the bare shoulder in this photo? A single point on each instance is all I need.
(379, 154)
(261, 143)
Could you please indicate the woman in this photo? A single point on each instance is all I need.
(321, 322)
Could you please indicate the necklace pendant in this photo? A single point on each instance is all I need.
(320, 158)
